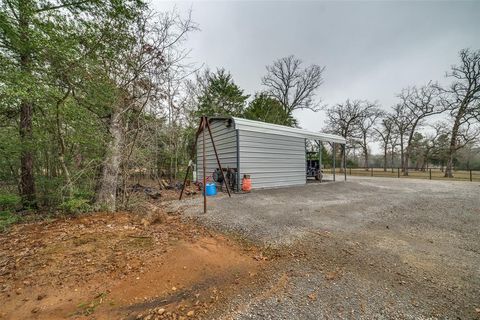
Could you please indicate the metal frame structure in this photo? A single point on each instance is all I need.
(249, 129)
(334, 164)
(204, 124)
(334, 149)
(241, 124)
(320, 159)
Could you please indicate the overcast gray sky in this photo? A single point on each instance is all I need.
(371, 50)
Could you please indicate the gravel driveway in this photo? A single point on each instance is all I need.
(368, 248)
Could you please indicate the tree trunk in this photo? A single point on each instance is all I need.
(61, 153)
(107, 194)
(366, 160)
(402, 159)
(385, 151)
(453, 147)
(365, 152)
(392, 156)
(448, 168)
(68, 179)
(406, 161)
(342, 159)
(27, 181)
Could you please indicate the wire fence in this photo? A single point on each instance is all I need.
(413, 173)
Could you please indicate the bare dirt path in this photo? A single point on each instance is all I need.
(120, 266)
(366, 249)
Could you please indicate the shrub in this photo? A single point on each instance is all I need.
(84, 194)
(8, 201)
(6, 219)
(75, 206)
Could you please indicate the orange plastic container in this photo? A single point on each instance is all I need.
(246, 183)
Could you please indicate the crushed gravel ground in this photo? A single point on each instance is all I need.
(368, 248)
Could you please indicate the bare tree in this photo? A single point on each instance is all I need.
(139, 74)
(371, 113)
(394, 138)
(343, 119)
(292, 84)
(402, 125)
(418, 104)
(351, 120)
(462, 100)
(385, 133)
(431, 142)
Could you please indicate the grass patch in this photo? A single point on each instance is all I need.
(433, 174)
(7, 219)
(88, 308)
(9, 201)
(140, 242)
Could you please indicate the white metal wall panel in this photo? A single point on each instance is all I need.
(226, 143)
(272, 160)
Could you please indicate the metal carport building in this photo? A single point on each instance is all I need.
(273, 155)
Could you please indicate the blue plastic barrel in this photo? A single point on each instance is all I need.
(211, 189)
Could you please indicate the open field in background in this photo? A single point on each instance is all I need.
(433, 174)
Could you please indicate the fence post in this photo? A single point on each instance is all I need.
(371, 173)
(398, 172)
(471, 175)
(334, 154)
(430, 173)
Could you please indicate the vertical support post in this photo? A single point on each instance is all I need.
(320, 159)
(238, 159)
(398, 172)
(471, 175)
(216, 156)
(345, 161)
(371, 172)
(306, 160)
(430, 173)
(334, 156)
(203, 167)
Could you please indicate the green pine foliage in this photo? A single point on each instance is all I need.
(221, 96)
(267, 109)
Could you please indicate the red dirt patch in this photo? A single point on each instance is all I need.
(104, 266)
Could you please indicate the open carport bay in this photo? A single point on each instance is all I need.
(366, 248)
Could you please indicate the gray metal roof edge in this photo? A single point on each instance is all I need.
(259, 126)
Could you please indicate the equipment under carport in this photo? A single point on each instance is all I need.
(269, 155)
(272, 155)
(313, 166)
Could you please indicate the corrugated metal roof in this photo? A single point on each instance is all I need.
(259, 126)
